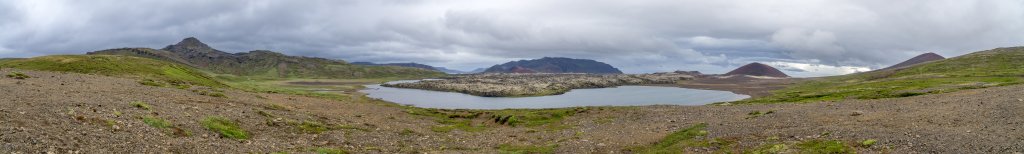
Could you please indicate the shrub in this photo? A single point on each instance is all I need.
(141, 105)
(868, 142)
(225, 127)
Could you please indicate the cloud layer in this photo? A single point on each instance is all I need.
(636, 36)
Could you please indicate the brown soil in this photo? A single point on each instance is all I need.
(66, 113)
(755, 87)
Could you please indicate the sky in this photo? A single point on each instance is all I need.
(800, 37)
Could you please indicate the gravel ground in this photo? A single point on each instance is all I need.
(77, 113)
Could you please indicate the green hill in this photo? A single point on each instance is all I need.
(996, 67)
(118, 66)
(262, 63)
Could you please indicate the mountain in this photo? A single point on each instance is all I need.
(554, 65)
(757, 69)
(192, 52)
(450, 71)
(413, 65)
(926, 57)
(408, 65)
(478, 70)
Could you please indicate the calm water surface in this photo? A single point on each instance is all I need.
(615, 96)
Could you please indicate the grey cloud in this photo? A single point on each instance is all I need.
(636, 36)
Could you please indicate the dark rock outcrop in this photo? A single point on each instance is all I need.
(757, 69)
(554, 65)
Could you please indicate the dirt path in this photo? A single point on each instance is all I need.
(65, 113)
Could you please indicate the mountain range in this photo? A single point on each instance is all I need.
(192, 52)
(414, 65)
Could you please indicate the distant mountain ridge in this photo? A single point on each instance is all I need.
(926, 57)
(192, 52)
(413, 65)
(554, 65)
(757, 69)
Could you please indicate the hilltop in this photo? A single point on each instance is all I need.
(757, 69)
(922, 58)
(554, 65)
(192, 52)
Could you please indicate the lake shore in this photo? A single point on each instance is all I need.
(536, 84)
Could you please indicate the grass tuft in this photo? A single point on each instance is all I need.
(141, 105)
(18, 75)
(868, 142)
(312, 127)
(225, 127)
(151, 82)
(156, 122)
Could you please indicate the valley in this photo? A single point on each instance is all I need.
(115, 103)
(99, 114)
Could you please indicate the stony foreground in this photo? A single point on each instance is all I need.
(67, 113)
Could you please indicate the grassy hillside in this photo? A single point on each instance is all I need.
(996, 67)
(268, 64)
(120, 66)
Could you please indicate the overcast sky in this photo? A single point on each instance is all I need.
(801, 37)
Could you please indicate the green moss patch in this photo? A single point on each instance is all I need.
(225, 127)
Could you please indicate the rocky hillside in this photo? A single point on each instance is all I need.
(926, 57)
(757, 69)
(554, 65)
(195, 53)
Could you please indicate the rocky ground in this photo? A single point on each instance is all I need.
(536, 84)
(747, 85)
(77, 113)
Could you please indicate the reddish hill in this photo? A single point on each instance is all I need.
(926, 57)
(757, 69)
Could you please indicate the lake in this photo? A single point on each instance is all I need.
(614, 96)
